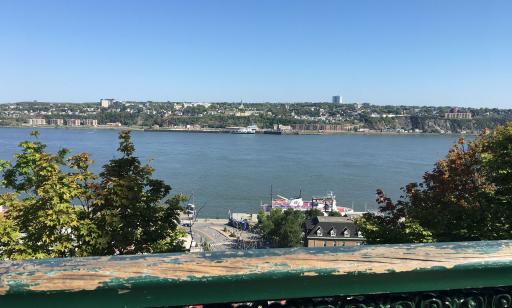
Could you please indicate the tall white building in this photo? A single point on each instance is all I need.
(106, 102)
(337, 99)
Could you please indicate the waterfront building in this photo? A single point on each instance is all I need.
(455, 113)
(73, 122)
(37, 121)
(327, 231)
(106, 102)
(56, 122)
(323, 127)
(90, 122)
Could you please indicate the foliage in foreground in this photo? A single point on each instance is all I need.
(467, 196)
(129, 212)
(56, 207)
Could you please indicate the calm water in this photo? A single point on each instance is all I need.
(235, 171)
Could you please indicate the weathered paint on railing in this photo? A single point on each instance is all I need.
(239, 276)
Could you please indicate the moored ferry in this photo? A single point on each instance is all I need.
(325, 204)
(251, 129)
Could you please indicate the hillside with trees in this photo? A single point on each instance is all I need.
(427, 119)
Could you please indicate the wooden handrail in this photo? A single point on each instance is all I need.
(253, 275)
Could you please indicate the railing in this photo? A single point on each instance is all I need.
(466, 274)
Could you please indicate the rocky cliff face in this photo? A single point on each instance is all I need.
(435, 125)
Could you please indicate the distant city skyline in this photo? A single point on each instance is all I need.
(439, 53)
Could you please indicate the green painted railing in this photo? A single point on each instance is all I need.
(466, 274)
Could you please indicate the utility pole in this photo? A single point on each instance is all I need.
(192, 220)
(271, 196)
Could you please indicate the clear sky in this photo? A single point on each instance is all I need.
(429, 52)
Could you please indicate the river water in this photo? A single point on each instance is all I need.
(227, 171)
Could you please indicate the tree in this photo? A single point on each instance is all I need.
(10, 244)
(453, 200)
(56, 207)
(391, 225)
(42, 219)
(134, 213)
(498, 160)
(467, 196)
(282, 228)
(313, 213)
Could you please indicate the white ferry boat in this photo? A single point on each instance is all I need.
(325, 204)
(251, 129)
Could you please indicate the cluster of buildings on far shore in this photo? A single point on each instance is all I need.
(74, 122)
(69, 122)
(336, 116)
(62, 122)
(455, 113)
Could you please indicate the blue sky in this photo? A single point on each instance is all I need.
(433, 52)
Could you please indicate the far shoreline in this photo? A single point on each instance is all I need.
(224, 131)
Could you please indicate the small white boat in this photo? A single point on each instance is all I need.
(251, 129)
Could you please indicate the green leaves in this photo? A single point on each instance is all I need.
(391, 225)
(282, 228)
(41, 203)
(125, 144)
(56, 207)
(467, 196)
(133, 211)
